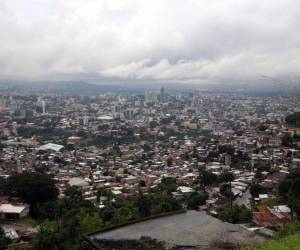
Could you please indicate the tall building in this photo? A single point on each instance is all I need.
(2, 103)
(41, 107)
(118, 111)
(162, 94)
(179, 96)
(44, 107)
(83, 121)
(129, 114)
(150, 96)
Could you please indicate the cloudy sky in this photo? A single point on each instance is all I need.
(186, 41)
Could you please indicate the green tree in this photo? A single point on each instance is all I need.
(289, 190)
(226, 177)
(262, 127)
(287, 140)
(226, 191)
(153, 124)
(288, 229)
(256, 189)
(207, 178)
(108, 212)
(32, 187)
(262, 167)
(144, 205)
(4, 241)
(226, 148)
(197, 199)
(103, 192)
(74, 194)
(293, 119)
(163, 202)
(48, 237)
(241, 214)
(168, 185)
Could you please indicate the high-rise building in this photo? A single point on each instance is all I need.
(118, 111)
(129, 114)
(2, 104)
(150, 96)
(162, 94)
(41, 107)
(44, 107)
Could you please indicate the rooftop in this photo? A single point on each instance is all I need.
(51, 146)
(192, 229)
(13, 209)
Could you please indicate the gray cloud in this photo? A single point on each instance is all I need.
(192, 41)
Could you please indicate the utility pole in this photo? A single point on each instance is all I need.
(231, 178)
(231, 207)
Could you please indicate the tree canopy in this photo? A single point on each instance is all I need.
(289, 190)
(65, 220)
(293, 119)
(207, 178)
(240, 214)
(196, 199)
(31, 187)
(256, 189)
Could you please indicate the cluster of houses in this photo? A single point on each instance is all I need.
(128, 143)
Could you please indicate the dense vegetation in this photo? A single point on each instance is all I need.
(289, 190)
(63, 221)
(290, 242)
(31, 187)
(4, 241)
(293, 119)
(256, 189)
(286, 239)
(87, 138)
(240, 214)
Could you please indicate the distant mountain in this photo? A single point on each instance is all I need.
(67, 88)
(87, 88)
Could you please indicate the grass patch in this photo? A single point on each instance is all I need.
(291, 242)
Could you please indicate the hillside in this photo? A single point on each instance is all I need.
(291, 242)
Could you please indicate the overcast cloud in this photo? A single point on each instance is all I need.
(188, 41)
